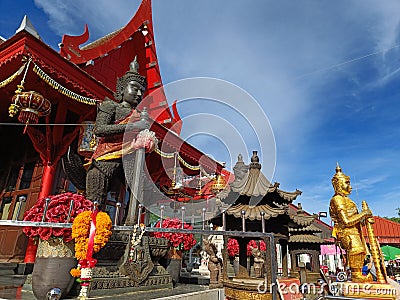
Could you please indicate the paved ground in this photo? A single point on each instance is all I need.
(7, 291)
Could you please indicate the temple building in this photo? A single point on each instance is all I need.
(66, 88)
(253, 204)
(305, 240)
(47, 113)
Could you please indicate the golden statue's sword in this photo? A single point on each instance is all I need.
(374, 247)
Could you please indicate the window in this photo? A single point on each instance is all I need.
(26, 177)
(12, 179)
(5, 207)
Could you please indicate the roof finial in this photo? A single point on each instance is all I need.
(299, 208)
(27, 26)
(255, 161)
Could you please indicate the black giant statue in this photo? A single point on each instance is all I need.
(114, 119)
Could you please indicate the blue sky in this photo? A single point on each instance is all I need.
(325, 73)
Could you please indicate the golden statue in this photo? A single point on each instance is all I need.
(347, 231)
(347, 225)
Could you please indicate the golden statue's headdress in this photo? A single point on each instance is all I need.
(338, 177)
(131, 75)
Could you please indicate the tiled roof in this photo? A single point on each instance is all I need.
(250, 181)
(386, 231)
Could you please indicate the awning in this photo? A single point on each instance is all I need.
(331, 250)
(390, 252)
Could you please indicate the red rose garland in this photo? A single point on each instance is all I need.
(57, 212)
(254, 244)
(232, 247)
(181, 241)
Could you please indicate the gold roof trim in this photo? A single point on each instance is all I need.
(101, 40)
(306, 238)
(254, 212)
(309, 228)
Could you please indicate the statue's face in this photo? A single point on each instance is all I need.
(344, 186)
(132, 93)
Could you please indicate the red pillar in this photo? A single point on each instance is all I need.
(30, 253)
(45, 190)
(47, 180)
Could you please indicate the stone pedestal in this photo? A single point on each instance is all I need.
(107, 276)
(239, 289)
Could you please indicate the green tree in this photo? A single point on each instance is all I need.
(395, 219)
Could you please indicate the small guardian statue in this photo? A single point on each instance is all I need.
(258, 262)
(214, 264)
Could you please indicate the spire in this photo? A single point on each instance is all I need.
(27, 26)
(240, 169)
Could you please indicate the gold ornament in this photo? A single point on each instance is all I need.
(218, 184)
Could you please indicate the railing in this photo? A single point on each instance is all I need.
(262, 235)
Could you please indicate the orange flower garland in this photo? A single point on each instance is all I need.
(81, 229)
(75, 272)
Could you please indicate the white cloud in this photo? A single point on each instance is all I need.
(102, 16)
(289, 56)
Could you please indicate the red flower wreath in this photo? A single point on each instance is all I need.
(57, 212)
(254, 244)
(232, 247)
(179, 240)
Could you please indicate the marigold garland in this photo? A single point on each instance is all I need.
(75, 272)
(81, 229)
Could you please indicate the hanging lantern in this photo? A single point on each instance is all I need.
(32, 105)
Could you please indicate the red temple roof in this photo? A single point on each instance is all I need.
(25, 44)
(76, 80)
(386, 231)
(108, 58)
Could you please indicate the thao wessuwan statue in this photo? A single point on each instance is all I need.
(347, 230)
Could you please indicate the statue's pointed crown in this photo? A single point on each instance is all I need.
(131, 75)
(338, 168)
(339, 175)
